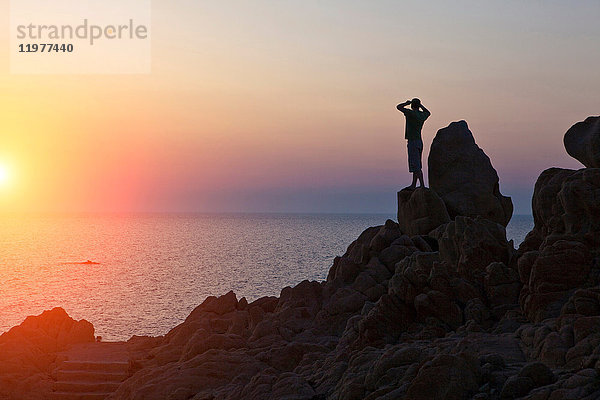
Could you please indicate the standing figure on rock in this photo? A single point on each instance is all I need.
(414, 123)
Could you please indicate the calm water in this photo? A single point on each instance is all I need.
(156, 268)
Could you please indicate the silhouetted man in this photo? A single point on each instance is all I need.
(414, 123)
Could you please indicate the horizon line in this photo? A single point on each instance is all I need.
(6, 213)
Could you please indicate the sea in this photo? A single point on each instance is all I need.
(153, 269)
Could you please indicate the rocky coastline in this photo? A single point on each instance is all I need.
(438, 305)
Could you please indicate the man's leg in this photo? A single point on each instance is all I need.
(413, 163)
(417, 176)
(414, 181)
(420, 177)
(420, 164)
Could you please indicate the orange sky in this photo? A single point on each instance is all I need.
(289, 106)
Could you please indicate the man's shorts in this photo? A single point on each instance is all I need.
(415, 149)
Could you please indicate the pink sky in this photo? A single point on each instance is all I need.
(289, 106)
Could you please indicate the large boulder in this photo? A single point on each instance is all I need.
(582, 142)
(545, 204)
(565, 203)
(501, 284)
(463, 176)
(557, 257)
(556, 272)
(579, 199)
(420, 211)
(469, 245)
(53, 330)
(28, 352)
(446, 377)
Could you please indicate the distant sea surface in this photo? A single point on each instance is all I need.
(156, 268)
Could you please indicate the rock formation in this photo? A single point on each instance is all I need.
(582, 142)
(420, 211)
(430, 308)
(561, 253)
(28, 352)
(399, 317)
(463, 176)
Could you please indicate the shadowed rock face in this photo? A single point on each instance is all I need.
(561, 253)
(373, 329)
(469, 245)
(399, 317)
(582, 142)
(420, 211)
(463, 176)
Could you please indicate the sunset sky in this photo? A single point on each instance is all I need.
(289, 106)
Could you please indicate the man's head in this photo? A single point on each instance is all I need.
(415, 104)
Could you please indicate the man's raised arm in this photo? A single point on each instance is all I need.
(426, 111)
(401, 106)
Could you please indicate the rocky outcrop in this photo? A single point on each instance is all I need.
(470, 245)
(561, 253)
(559, 267)
(582, 142)
(387, 323)
(430, 308)
(420, 211)
(463, 176)
(28, 352)
(565, 203)
(399, 317)
(446, 377)
(438, 306)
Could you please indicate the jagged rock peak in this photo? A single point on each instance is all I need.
(463, 176)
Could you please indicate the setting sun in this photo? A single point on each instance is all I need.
(4, 175)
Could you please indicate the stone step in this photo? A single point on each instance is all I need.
(113, 366)
(85, 387)
(90, 376)
(78, 396)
